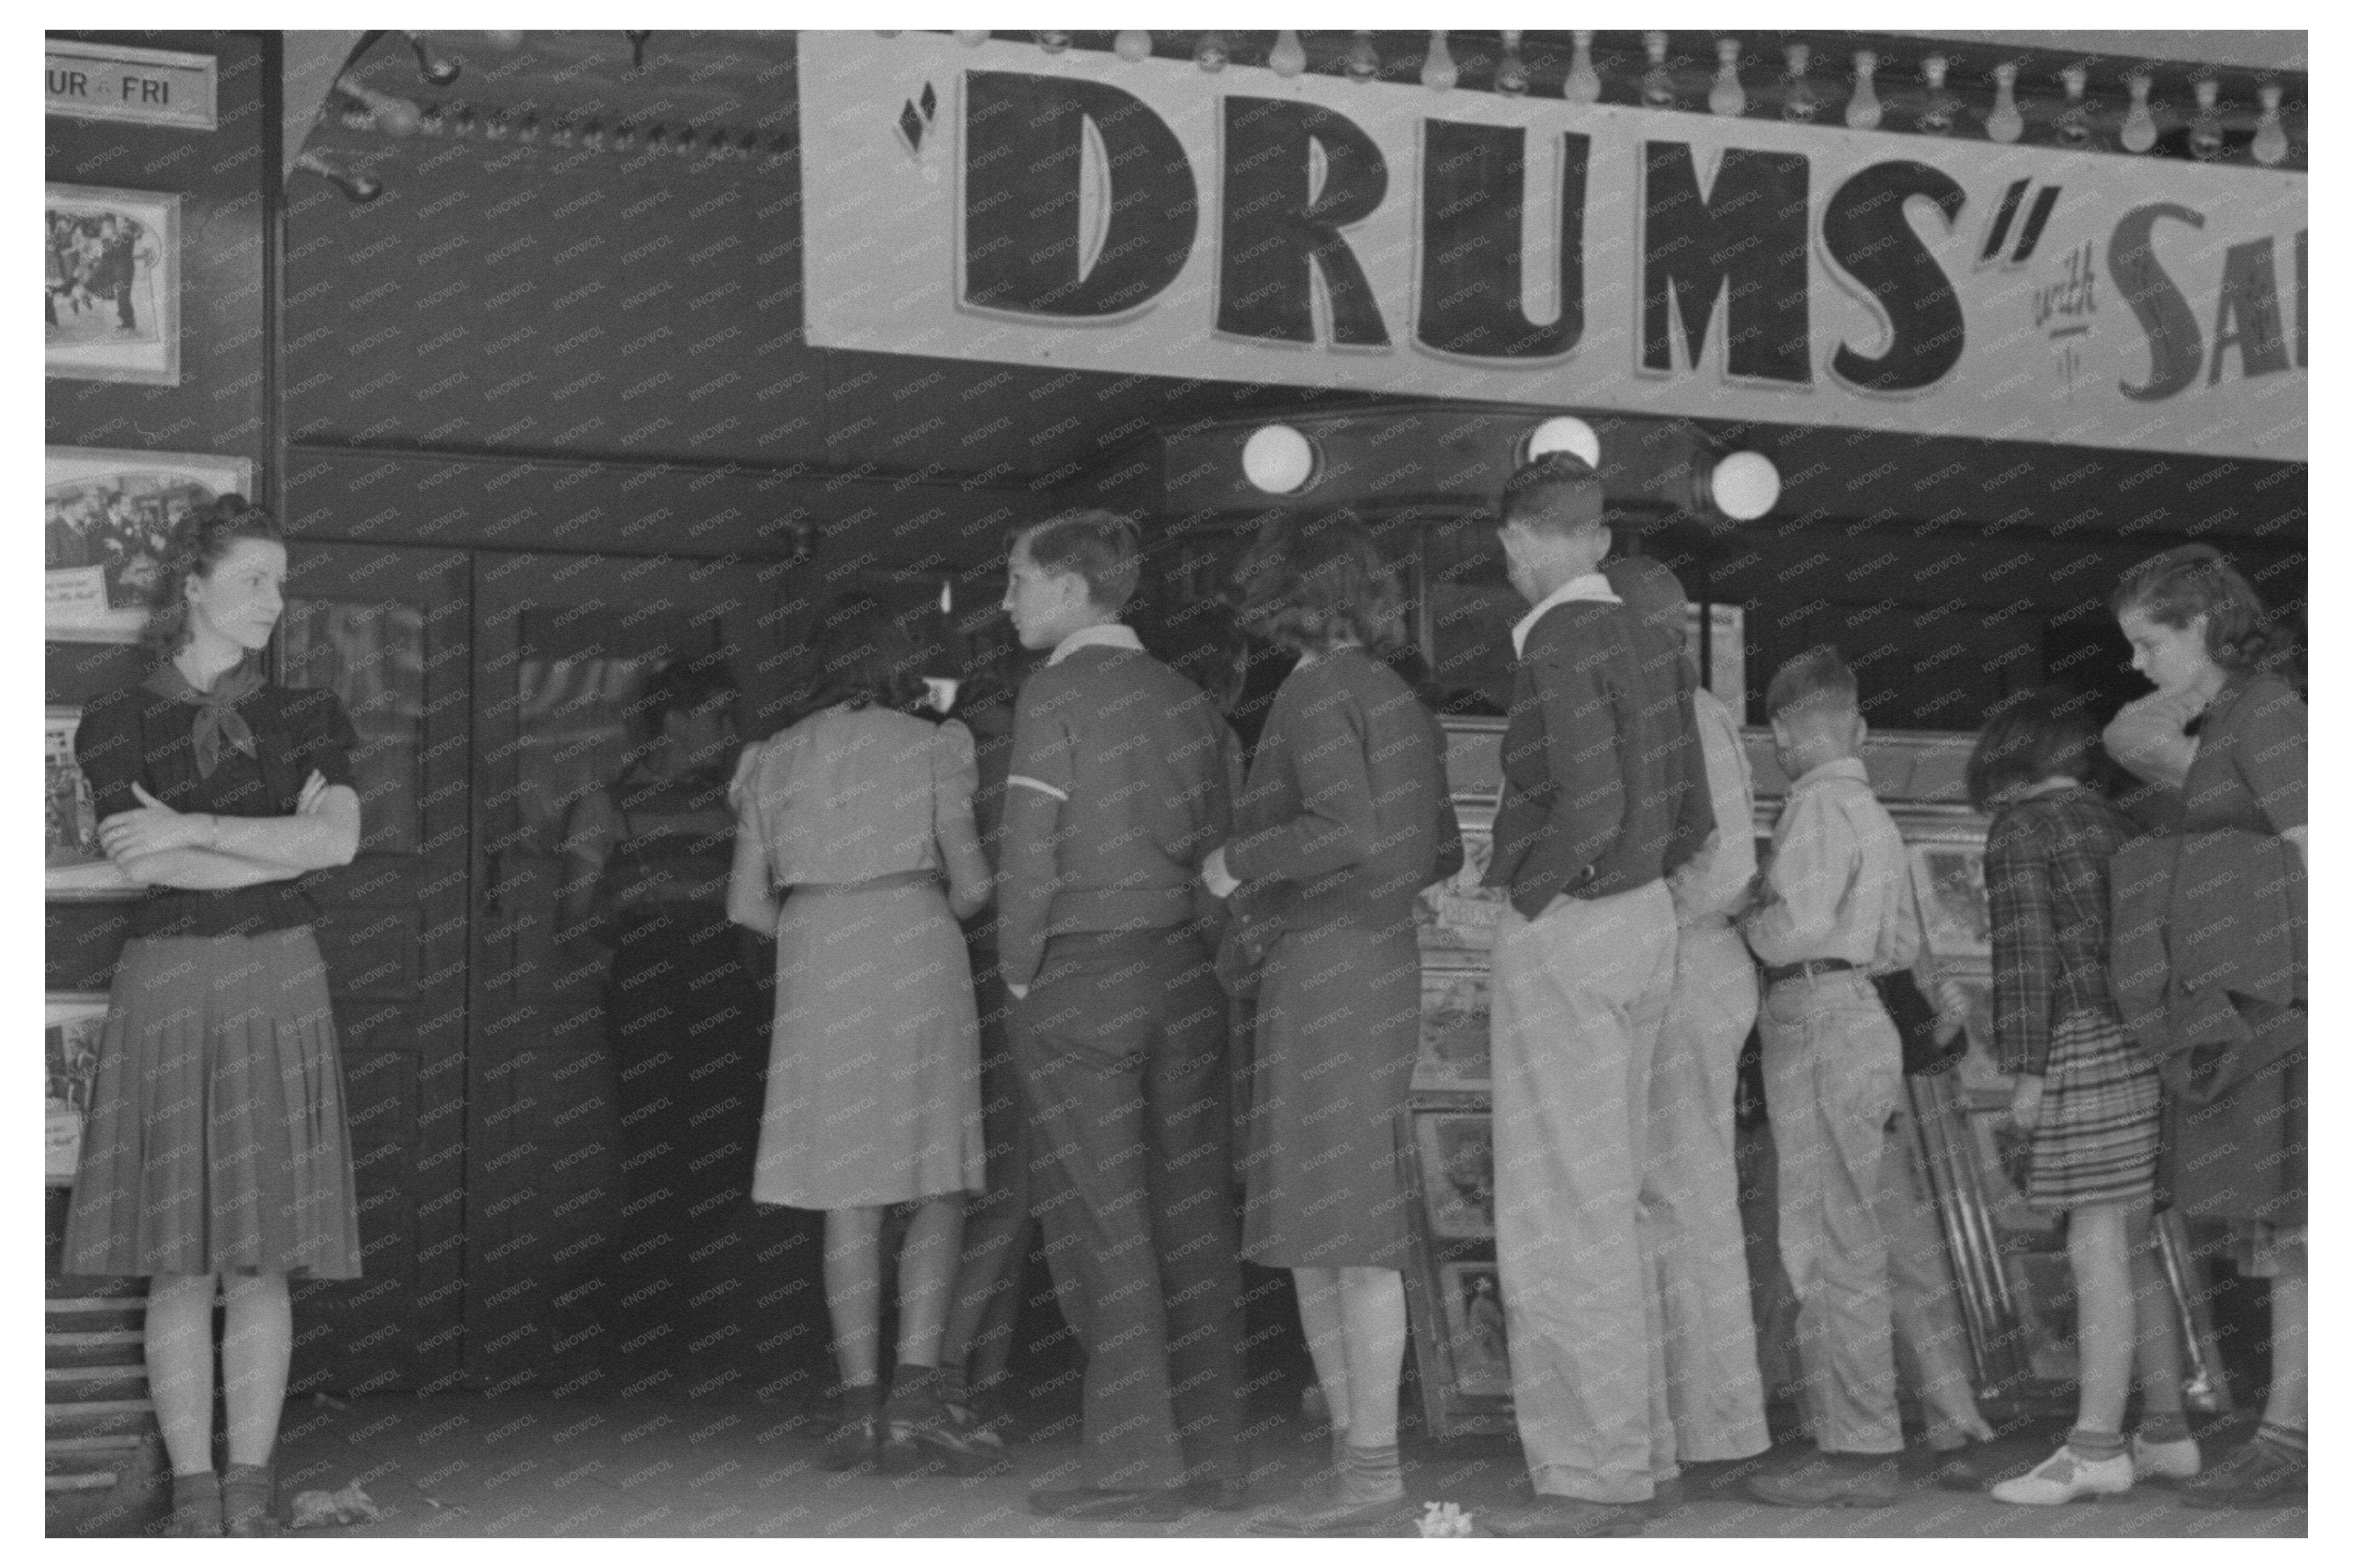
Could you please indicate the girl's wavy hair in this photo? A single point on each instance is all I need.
(1307, 583)
(2191, 580)
(863, 656)
(201, 542)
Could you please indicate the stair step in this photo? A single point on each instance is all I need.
(95, 1481)
(101, 1417)
(59, 1306)
(100, 1447)
(75, 1383)
(93, 1347)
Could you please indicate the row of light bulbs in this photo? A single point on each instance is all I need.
(2137, 132)
(1282, 461)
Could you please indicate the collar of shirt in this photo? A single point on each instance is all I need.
(1841, 768)
(1110, 634)
(1592, 586)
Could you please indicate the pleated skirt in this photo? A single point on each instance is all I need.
(873, 1093)
(2095, 1140)
(216, 1138)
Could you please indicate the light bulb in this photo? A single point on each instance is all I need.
(1863, 111)
(1564, 433)
(1362, 62)
(1278, 459)
(2206, 130)
(1289, 56)
(1583, 84)
(1437, 72)
(391, 115)
(1726, 97)
(1511, 72)
(1744, 486)
(507, 41)
(2270, 136)
(1939, 109)
(2075, 125)
(2005, 123)
(972, 38)
(2139, 131)
(1210, 53)
(1053, 43)
(1658, 85)
(1133, 44)
(1800, 103)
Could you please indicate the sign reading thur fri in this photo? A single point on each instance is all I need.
(147, 87)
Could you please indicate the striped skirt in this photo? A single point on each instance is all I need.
(2095, 1140)
(216, 1137)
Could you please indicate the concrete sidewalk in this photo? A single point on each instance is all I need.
(526, 1465)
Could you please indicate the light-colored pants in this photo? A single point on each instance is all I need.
(1578, 997)
(1691, 1199)
(1833, 1071)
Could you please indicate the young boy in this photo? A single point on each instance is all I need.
(1122, 783)
(1835, 908)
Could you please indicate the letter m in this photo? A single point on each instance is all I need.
(1746, 238)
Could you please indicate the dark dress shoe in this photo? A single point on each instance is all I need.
(2259, 1475)
(1146, 1505)
(1567, 1518)
(855, 1445)
(1971, 1468)
(1227, 1494)
(1330, 1510)
(929, 1444)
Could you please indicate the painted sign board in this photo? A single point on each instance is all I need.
(147, 87)
(997, 202)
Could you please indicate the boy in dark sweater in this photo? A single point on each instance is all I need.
(1122, 781)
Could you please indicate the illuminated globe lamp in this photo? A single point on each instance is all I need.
(1743, 486)
(1563, 433)
(1280, 461)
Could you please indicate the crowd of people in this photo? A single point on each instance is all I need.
(1127, 876)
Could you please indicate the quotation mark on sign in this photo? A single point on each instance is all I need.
(2037, 217)
(915, 116)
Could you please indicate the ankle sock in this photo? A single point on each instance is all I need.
(1371, 1472)
(2286, 1439)
(2164, 1427)
(862, 1401)
(953, 1390)
(2091, 1444)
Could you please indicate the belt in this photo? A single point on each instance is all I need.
(871, 884)
(1804, 969)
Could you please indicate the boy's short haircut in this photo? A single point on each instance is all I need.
(1556, 493)
(1101, 546)
(1817, 680)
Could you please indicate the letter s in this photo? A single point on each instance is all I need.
(2174, 348)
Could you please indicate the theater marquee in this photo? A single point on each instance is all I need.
(997, 203)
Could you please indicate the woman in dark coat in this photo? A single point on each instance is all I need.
(216, 1154)
(2233, 1137)
(1345, 818)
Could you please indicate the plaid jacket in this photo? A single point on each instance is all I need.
(2047, 891)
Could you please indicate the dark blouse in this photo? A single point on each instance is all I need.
(133, 735)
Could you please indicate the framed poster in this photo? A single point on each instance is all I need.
(110, 265)
(1472, 1296)
(107, 517)
(1456, 1150)
(76, 1020)
(1949, 876)
(1475, 758)
(1458, 915)
(74, 865)
(1453, 1055)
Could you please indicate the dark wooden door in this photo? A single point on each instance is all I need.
(387, 628)
(562, 644)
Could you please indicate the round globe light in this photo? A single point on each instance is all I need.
(1564, 434)
(1279, 459)
(1744, 486)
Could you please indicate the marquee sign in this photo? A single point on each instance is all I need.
(999, 203)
